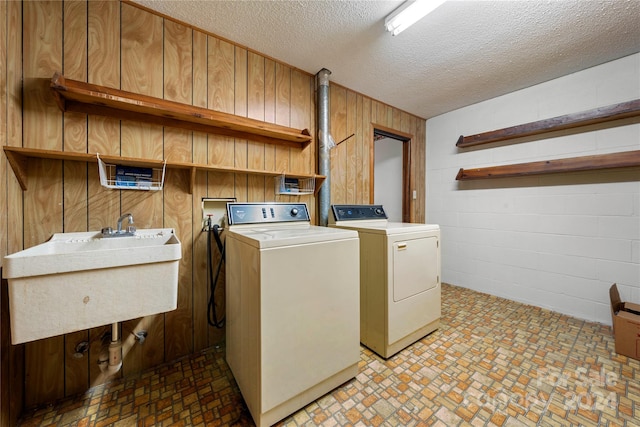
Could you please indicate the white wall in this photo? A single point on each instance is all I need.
(554, 241)
(387, 178)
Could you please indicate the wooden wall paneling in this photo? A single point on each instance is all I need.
(76, 369)
(200, 288)
(75, 67)
(4, 106)
(178, 204)
(371, 140)
(42, 128)
(352, 161)
(390, 113)
(178, 330)
(98, 355)
(103, 68)
(310, 154)
(5, 332)
(300, 105)
(103, 20)
(221, 94)
(302, 113)
(338, 108)
(417, 160)
(255, 110)
(299, 115)
(367, 151)
(14, 211)
(177, 59)
(221, 151)
(270, 117)
(396, 120)
(359, 142)
(75, 201)
(240, 145)
(5, 336)
(421, 136)
(283, 117)
(103, 136)
(405, 125)
(75, 214)
(397, 124)
(384, 115)
(374, 112)
(75, 124)
(136, 356)
(141, 72)
(44, 359)
(42, 54)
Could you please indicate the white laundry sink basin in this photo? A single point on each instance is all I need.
(77, 281)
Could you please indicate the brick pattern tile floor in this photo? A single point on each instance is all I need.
(492, 362)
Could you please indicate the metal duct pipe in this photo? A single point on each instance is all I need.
(324, 157)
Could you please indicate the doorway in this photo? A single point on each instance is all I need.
(391, 178)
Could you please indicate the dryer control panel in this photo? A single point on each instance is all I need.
(263, 213)
(358, 212)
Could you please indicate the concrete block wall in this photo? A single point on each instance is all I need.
(556, 241)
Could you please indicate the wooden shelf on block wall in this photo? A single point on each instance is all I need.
(624, 159)
(598, 115)
(18, 158)
(82, 97)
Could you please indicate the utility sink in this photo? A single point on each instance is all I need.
(76, 281)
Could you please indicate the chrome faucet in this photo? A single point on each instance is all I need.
(128, 217)
(119, 232)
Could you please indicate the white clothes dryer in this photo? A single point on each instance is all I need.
(400, 291)
(292, 307)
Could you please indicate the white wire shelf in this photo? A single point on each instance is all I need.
(120, 177)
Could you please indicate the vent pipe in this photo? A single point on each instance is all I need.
(324, 145)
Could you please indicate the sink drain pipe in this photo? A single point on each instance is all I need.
(324, 145)
(115, 350)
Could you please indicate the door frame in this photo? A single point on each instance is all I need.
(407, 177)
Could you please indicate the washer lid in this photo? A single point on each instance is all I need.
(384, 227)
(273, 236)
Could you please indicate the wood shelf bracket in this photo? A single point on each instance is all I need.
(598, 115)
(623, 159)
(19, 164)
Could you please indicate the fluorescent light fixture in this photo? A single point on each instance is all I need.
(408, 14)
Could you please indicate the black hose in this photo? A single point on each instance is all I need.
(212, 316)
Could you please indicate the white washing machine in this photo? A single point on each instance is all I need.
(399, 277)
(292, 307)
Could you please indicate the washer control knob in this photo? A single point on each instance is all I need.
(379, 211)
(294, 211)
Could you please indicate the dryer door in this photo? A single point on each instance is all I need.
(415, 265)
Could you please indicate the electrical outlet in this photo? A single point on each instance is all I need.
(217, 208)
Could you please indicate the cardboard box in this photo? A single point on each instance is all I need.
(626, 325)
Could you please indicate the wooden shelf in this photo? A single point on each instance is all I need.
(585, 163)
(18, 158)
(81, 97)
(584, 118)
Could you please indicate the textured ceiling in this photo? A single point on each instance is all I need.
(462, 53)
